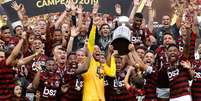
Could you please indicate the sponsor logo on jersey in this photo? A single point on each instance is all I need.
(49, 92)
(173, 74)
(118, 83)
(197, 75)
(78, 84)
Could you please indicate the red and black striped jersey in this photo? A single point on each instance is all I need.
(178, 78)
(192, 46)
(6, 82)
(150, 86)
(139, 35)
(49, 86)
(20, 99)
(161, 66)
(181, 43)
(195, 88)
(41, 60)
(116, 90)
(75, 84)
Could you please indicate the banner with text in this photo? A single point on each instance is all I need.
(39, 7)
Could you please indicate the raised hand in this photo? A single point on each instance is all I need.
(188, 24)
(67, 7)
(131, 47)
(74, 31)
(194, 1)
(72, 5)
(195, 6)
(186, 64)
(118, 9)
(110, 49)
(40, 51)
(15, 6)
(95, 8)
(79, 9)
(96, 20)
(149, 3)
(136, 2)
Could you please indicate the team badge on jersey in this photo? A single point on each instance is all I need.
(100, 72)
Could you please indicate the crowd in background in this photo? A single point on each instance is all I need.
(68, 56)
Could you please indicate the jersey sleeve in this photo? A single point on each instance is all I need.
(110, 71)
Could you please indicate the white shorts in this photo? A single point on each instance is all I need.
(163, 93)
(182, 98)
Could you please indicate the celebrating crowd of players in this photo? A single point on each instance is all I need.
(69, 56)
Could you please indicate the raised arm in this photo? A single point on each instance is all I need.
(36, 80)
(118, 9)
(80, 16)
(16, 50)
(111, 70)
(130, 57)
(179, 15)
(135, 6)
(179, 20)
(28, 58)
(92, 35)
(187, 65)
(74, 33)
(62, 16)
(190, 40)
(138, 61)
(109, 54)
(195, 23)
(84, 67)
(126, 79)
(151, 14)
(19, 8)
